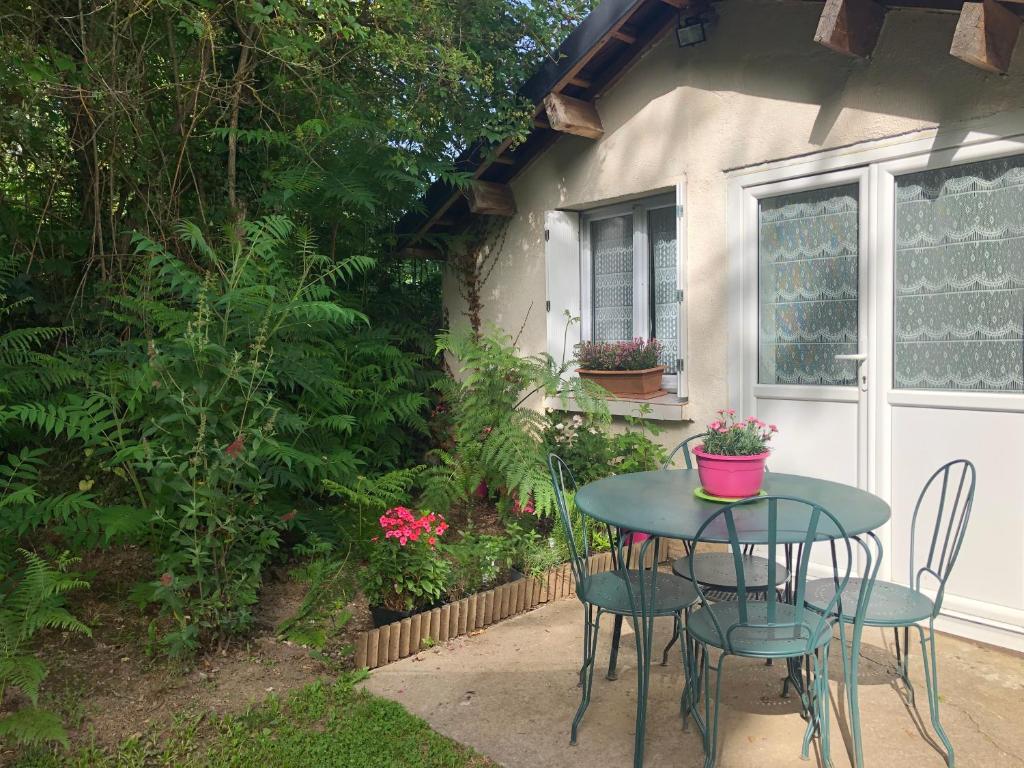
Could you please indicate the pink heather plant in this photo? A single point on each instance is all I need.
(728, 437)
(406, 568)
(635, 355)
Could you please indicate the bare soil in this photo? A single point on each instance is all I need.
(112, 685)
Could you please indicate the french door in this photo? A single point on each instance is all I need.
(879, 317)
(806, 320)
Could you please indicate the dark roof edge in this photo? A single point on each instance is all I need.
(577, 45)
(572, 50)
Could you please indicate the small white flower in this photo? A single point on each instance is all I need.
(559, 426)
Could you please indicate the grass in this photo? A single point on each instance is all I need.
(324, 724)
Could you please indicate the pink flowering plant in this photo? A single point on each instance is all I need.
(636, 355)
(407, 568)
(729, 436)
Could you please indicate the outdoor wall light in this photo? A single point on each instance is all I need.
(692, 30)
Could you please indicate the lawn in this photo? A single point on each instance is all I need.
(324, 724)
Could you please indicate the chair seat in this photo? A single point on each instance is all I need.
(891, 605)
(761, 642)
(608, 591)
(717, 571)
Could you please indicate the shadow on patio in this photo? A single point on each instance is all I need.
(510, 692)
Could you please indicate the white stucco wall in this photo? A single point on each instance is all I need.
(759, 90)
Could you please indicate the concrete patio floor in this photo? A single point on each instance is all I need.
(510, 692)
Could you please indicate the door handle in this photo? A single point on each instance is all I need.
(861, 359)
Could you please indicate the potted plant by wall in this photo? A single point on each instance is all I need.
(625, 368)
(406, 571)
(731, 458)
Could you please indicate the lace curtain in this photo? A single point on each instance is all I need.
(611, 243)
(807, 286)
(661, 226)
(959, 278)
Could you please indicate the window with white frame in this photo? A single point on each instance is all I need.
(619, 269)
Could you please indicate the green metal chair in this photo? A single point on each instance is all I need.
(714, 570)
(615, 592)
(901, 607)
(770, 628)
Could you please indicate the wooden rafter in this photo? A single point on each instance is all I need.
(985, 36)
(850, 27)
(491, 199)
(575, 116)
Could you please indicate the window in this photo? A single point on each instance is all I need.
(630, 266)
(958, 314)
(807, 253)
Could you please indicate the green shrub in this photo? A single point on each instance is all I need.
(593, 452)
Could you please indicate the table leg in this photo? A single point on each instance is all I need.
(613, 657)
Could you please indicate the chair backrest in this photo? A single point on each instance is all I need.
(954, 483)
(685, 448)
(805, 524)
(577, 532)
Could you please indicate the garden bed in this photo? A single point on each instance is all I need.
(398, 640)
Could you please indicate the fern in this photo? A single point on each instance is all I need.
(30, 601)
(498, 427)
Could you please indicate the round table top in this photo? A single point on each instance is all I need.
(662, 503)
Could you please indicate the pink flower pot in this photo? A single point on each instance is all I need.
(731, 477)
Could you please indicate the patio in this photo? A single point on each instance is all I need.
(510, 693)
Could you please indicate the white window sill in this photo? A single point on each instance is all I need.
(667, 407)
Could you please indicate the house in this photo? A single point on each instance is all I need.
(820, 211)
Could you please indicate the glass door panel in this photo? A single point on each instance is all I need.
(958, 319)
(808, 252)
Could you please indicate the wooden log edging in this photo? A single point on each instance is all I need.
(407, 637)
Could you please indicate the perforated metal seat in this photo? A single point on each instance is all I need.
(716, 571)
(768, 642)
(890, 605)
(608, 591)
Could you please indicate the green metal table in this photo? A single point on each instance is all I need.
(662, 504)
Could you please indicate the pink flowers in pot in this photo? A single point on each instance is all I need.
(635, 355)
(729, 436)
(731, 460)
(407, 568)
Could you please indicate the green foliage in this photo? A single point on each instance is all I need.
(321, 726)
(322, 614)
(728, 437)
(263, 391)
(30, 601)
(497, 428)
(592, 452)
(481, 562)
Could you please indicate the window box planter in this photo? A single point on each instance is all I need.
(644, 383)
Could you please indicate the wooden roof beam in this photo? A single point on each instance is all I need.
(850, 27)
(985, 36)
(625, 35)
(490, 198)
(575, 116)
